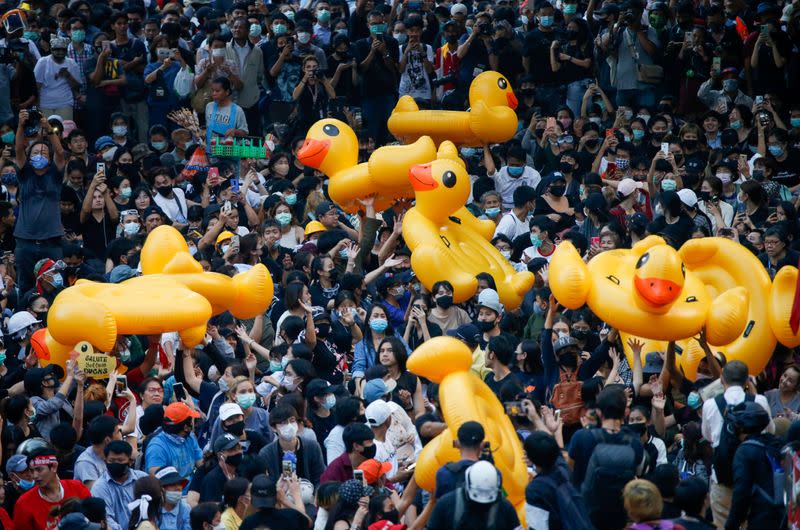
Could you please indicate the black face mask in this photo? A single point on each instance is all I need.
(591, 143)
(42, 315)
(758, 175)
(485, 326)
(369, 451)
(637, 428)
(689, 144)
(705, 195)
(572, 34)
(580, 334)
(663, 108)
(451, 39)
(164, 191)
(445, 302)
(234, 460)
(539, 133)
(116, 470)
(392, 515)
(333, 275)
(558, 191)
(323, 330)
(362, 418)
(564, 167)
(657, 136)
(236, 429)
(127, 169)
(135, 26)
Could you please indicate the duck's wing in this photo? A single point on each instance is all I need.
(492, 124)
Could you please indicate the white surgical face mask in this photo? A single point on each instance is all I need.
(288, 431)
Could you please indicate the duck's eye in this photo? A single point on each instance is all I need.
(683, 270)
(331, 130)
(502, 83)
(645, 257)
(84, 348)
(449, 179)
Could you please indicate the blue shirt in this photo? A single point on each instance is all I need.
(365, 355)
(177, 519)
(116, 496)
(171, 450)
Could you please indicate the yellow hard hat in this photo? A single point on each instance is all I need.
(313, 227)
(223, 236)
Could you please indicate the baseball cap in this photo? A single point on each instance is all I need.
(140, 151)
(373, 470)
(120, 273)
(653, 363)
(458, 9)
(168, 475)
(608, 9)
(468, 333)
(16, 464)
(77, 521)
(178, 413)
(730, 70)
(318, 387)
(324, 207)
(375, 389)
(377, 413)
(103, 142)
(564, 342)
(627, 186)
(688, 197)
(470, 433)
(263, 492)
(767, 7)
(229, 410)
(225, 442)
(21, 320)
(490, 300)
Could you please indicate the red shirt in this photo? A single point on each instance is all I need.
(32, 512)
(446, 62)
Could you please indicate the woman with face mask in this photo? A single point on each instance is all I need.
(159, 75)
(418, 328)
(553, 203)
(324, 281)
(444, 314)
(321, 408)
(366, 351)
(291, 233)
(242, 391)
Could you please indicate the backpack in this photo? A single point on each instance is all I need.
(611, 466)
(571, 509)
(722, 461)
(459, 471)
(776, 498)
(460, 510)
(566, 397)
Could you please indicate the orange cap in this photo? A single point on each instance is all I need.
(373, 470)
(179, 412)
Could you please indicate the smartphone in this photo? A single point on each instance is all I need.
(101, 166)
(287, 468)
(513, 408)
(213, 176)
(121, 386)
(235, 184)
(235, 241)
(772, 210)
(611, 167)
(106, 45)
(227, 207)
(557, 415)
(665, 147)
(716, 65)
(596, 241)
(759, 100)
(551, 122)
(180, 392)
(537, 110)
(765, 29)
(611, 132)
(358, 474)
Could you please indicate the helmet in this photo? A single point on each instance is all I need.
(31, 444)
(313, 227)
(223, 236)
(20, 321)
(482, 482)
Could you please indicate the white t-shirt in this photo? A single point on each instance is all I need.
(505, 184)
(533, 253)
(414, 80)
(511, 227)
(55, 93)
(175, 208)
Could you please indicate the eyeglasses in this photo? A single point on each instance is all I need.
(770, 242)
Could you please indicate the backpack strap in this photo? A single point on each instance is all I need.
(460, 508)
(721, 404)
(491, 518)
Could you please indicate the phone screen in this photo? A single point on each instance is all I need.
(358, 474)
(121, 386)
(101, 166)
(180, 392)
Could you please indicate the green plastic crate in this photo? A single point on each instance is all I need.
(248, 147)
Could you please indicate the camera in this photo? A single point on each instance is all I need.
(763, 118)
(32, 124)
(439, 81)
(13, 49)
(627, 19)
(485, 28)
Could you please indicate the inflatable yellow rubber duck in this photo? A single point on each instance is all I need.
(332, 147)
(490, 119)
(648, 291)
(781, 306)
(174, 294)
(464, 397)
(447, 241)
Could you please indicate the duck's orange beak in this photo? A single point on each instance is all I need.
(657, 291)
(421, 178)
(512, 100)
(313, 152)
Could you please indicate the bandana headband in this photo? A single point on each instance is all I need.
(44, 460)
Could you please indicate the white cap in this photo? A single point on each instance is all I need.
(458, 8)
(489, 298)
(626, 186)
(482, 482)
(688, 197)
(377, 413)
(21, 320)
(229, 410)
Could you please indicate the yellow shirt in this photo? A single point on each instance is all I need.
(231, 519)
(479, 363)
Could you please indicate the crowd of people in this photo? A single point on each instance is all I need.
(675, 119)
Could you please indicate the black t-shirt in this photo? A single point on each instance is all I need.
(274, 518)
(211, 485)
(98, 234)
(497, 385)
(135, 89)
(422, 420)
(382, 79)
(322, 427)
(788, 172)
(537, 49)
(475, 515)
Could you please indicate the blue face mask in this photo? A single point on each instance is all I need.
(378, 325)
(159, 146)
(736, 124)
(275, 366)
(795, 122)
(39, 161)
(246, 400)
(58, 281)
(638, 134)
(515, 171)
(669, 185)
(776, 150)
(290, 199)
(535, 241)
(25, 485)
(570, 9)
(2, 358)
(693, 400)
(8, 138)
(491, 213)
(284, 362)
(546, 22)
(330, 401)
(10, 178)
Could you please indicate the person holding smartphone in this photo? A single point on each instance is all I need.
(312, 94)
